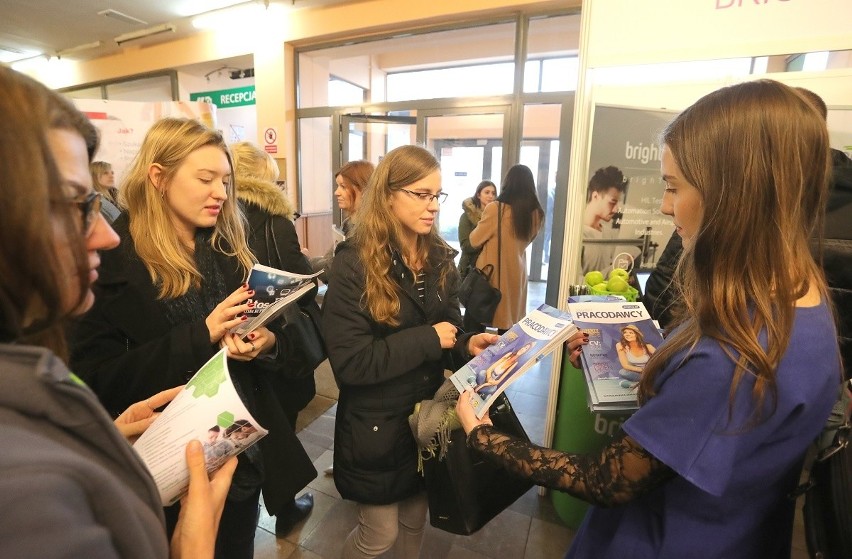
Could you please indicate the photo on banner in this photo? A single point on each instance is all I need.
(622, 223)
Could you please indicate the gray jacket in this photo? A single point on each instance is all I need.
(70, 485)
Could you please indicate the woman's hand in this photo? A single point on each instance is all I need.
(574, 346)
(479, 342)
(446, 333)
(139, 416)
(466, 413)
(201, 508)
(255, 343)
(228, 313)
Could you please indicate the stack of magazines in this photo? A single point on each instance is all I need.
(622, 338)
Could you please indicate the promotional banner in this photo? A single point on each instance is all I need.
(622, 223)
(123, 125)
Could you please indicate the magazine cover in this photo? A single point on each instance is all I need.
(622, 338)
(208, 409)
(526, 342)
(273, 290)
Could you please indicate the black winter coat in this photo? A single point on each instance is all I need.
(382, 372)
(837, 251)
(126, 350)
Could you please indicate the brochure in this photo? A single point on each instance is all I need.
(274, 290)
(525, 343)
(208, 409)
(622, 337)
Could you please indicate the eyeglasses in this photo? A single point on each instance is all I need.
(427, 197)
(90, 207)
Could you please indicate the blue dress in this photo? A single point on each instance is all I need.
(729, 499)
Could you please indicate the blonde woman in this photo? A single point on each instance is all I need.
(103, 181)
(168, 296)
(391, 322)
(273, 240)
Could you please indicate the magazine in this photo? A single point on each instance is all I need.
(208, 409)
(524, 344)
(622, 337)
(274, 290)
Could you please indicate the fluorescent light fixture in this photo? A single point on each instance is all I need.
(142, 33)
(188, 8)
(79, 48)
(12, 54)
(122, 17)
(242, 15)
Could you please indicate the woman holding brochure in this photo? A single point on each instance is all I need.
(391, 321)
(167, 299)
(745, 381)
(70, 483)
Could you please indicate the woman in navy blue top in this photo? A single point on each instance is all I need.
(745, 381)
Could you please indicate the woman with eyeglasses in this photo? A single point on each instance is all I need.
(391, 322)
(516, 218)
(167, 299)
(70, 485)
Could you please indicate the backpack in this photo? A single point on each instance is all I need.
(827, 509)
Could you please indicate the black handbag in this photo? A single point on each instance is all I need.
(301, 320)
(464, 490)
(479, 297)
(827, 510)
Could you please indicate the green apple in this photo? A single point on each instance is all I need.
(619, 272)
(617, 284)
(602, 286)
(593, 278)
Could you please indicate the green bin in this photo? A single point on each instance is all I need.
(578, 430)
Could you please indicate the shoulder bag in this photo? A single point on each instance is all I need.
(465, 491)
(479, 297)
(301, 320)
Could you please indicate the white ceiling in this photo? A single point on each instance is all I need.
(33, 27)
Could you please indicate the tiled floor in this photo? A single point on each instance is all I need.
(529, 529)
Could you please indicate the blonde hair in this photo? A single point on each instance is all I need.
(758, 154)
(97, 168)
(379, 230)
(251, 161)
(171, 263)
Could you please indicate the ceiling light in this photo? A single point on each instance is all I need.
(12, 54)
(115, 14)
(241, 15)
(142, 33)
(79, 48)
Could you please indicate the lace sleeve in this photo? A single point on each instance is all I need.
(622, 471)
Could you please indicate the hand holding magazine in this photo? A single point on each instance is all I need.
(274, 290)
(525, 343)
(207, 409)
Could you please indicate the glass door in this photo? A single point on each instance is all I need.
(469, 145)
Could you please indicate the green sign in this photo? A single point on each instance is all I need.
(226, 98)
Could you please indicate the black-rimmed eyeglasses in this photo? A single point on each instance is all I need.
(90, 208)
(427, 197)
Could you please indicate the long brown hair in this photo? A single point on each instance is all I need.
(170, 263)
(35, 213)
(518, 190)
(357, 175)
(379, 231)
(758, 154)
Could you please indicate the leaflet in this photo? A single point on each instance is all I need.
(207, 409)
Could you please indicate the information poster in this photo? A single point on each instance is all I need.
(622, 223)
(123, 125)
